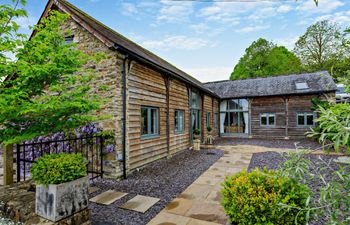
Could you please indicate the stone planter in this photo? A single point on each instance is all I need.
(56, 202)
(196, 144)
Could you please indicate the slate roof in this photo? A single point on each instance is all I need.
(317, 82)
(133, 48)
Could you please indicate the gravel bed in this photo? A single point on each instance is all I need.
(164, 179)
(269, 143)
(273, 160)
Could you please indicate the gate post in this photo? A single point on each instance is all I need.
(8, 164)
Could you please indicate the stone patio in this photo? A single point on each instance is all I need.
(200, 202)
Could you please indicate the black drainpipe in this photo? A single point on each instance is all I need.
(124, 114)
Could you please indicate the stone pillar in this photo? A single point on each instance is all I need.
(8, 164)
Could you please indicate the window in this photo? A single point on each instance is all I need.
(301, 85)
(208, 119)
(179, 121)
(305, 119)
(69, 40)
(149, 121)
(216, 117)
(267, 119)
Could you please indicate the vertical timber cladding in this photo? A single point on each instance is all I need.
(146, 88)
(210, 105)
(268, 105)
(179, 100)
(296, 105)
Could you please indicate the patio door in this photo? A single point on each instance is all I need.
(195, 113)
(234, 117)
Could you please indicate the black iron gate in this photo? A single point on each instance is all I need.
(91, 147)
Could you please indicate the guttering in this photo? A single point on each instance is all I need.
(124, 113)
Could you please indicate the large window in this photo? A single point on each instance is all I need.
(234, 116)
(149, 121)
(179, 121)
(208, 119)
(267, 119)
(305, 119)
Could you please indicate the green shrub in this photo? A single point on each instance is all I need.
(333, 126)
(197, 131)
(58, 168)
(209, 128)
(258, 198)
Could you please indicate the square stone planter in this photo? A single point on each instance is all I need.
(56, 202)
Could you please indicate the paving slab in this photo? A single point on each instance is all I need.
(164, 218)
(108, 197)
(140, 203)
(179, 206)
(93, 189)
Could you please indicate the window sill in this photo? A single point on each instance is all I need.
(179, 132)
(151, 136)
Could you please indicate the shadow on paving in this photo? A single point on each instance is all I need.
(165, 179)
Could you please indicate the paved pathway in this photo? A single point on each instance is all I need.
(199, 204)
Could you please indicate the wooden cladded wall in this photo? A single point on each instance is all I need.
(147, 87)
(286, 109)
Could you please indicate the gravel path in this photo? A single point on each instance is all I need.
(164, 179)
(276, 143)
(273, 160)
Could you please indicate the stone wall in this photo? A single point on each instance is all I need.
(107, 73)
(17, 202)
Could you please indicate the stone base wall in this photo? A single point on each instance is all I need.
(107, 73)
(17, 202)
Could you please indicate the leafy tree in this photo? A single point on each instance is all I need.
(47, 87)
(263, 58)
(322, 47)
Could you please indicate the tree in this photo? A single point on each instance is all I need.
(263, 58)
(47, 87)
(322, 48)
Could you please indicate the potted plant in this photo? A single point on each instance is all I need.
(196, 133)
(209, 138)
(197, 141)
(62, 185)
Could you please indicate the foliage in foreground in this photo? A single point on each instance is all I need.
(263, 58)
(58, 168)
(5, 221)
(255, 198)
(47, 87)
(333, 126)
(331, 201)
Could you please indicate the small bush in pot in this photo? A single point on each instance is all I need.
(58, 168)
(209, 129)
(62, 185)
(257, 198)
(196, 132)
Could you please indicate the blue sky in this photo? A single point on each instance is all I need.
(205, 39)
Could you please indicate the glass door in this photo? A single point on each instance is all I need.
(234, 117)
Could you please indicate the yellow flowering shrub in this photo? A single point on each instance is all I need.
(258, 198)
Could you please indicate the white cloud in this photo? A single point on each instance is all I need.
(284, 8)
(25, 22)
(175, 11)
(342, 18)
(287, 42)
(250, 29)
(177, 42)
(232, 12)
(200, 28)
(207, 74)
(129, 8)
(324, 6)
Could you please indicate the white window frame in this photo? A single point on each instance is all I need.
(305, 114)
(149, 133)
(179, 121)
(268, 115)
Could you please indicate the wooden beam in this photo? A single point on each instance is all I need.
(167, 82)
(8, 164)
(286, 100)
